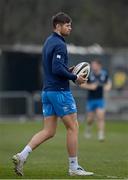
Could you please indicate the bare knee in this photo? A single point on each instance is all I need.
(51, 133)
(73, 128)
(48, 133)
(90, 118)
(90, 121)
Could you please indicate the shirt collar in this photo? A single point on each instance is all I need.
(59, 36)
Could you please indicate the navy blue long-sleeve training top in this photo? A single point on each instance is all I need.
(55, 64)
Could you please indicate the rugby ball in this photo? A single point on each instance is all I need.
(82, 68)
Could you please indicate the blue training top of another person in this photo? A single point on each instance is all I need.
(100, 79)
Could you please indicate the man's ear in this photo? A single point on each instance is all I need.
(58, 26)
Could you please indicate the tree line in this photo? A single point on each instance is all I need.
(94, 21)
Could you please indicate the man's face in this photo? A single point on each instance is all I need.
(64, 29)
(96, 67)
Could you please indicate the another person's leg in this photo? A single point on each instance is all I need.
(90, 108)
(100, 113)
(90, 120)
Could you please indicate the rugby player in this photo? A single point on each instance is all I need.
(98, 82)
(57, 99)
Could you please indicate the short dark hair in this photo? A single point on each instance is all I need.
(60, 18)
(98, 61)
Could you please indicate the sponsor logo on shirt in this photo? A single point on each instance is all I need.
(58, 56)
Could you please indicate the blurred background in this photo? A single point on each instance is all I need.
(99, 30)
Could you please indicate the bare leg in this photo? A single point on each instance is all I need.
(71, 124)
(90, 119)
(50, 124)
(100, 113)
(49, 130)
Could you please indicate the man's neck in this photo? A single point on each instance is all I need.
(58, 32)
(97, 72)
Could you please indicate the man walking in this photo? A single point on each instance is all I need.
(57, 98)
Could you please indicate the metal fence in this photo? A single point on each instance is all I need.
(16, 104)
(24, 104)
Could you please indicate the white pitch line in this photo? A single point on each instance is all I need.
(112, 177)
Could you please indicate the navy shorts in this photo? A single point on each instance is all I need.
(92, 105)
(59, 103)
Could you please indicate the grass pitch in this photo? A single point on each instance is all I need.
(108, 160)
